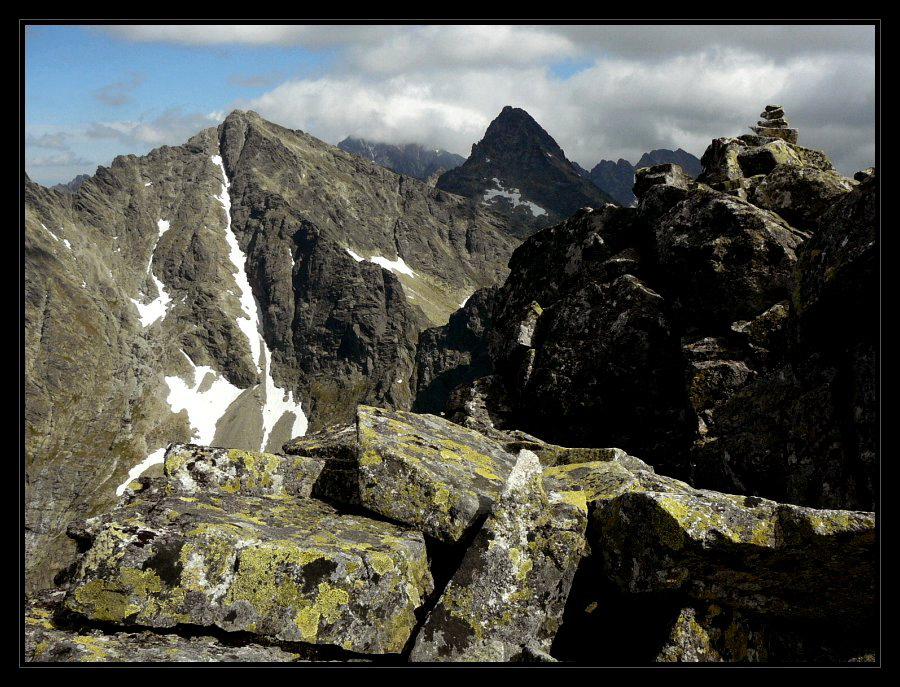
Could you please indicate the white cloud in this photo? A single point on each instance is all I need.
(172, 127)
(62, 159)
(53, 141)
(309, 36)
(615, 108)
(119, 93)
(491, 46)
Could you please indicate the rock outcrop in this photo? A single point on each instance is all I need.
(616, 179)
(231, 556)
(691, 330)
(518, 170)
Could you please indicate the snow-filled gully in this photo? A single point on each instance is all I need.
(210, 395)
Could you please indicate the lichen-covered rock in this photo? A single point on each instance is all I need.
(714, 372)
(512, 585)
(192, 469)
(708, 633)
(766, 335)
(291, 569)
(837, 274)
(800, 194)
(726, 259)
(47, 641)
(483, 404)
(428, 472)
(746, 552)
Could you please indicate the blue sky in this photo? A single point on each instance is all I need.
(603, 92)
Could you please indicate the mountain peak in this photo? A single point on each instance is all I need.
(521, 172)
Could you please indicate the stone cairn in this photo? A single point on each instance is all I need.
(774, 125)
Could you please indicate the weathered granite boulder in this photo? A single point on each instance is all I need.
(607, 371)
(800, 194)
(48, 640)
(708, 633)
(511, 588)
(716, 244)
(293, 569)
(198, 470)
(803, 432)
(746, 552)
(427, 471)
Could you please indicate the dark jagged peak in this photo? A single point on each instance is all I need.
(521, 172)
(408, 159)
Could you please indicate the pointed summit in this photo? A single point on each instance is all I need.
(518, 170)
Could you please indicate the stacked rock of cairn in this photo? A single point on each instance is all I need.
(774, 125)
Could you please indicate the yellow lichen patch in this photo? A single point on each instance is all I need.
(514, 555)
(370, 458)
(669, 530)
(381, 563)
(441, 496)
(40, 648)
(99, 602)
(40, 617)
(521, 595)
(524, 569)
(469, 460)
(95, 649)
(578, 499)
(141, 582)
(307, 620)
(206, 558)
(329, 600)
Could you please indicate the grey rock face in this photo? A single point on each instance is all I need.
(511, 587)
(518, 170)
(221, 272)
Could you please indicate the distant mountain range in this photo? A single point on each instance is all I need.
(410, 159)
(520, 171)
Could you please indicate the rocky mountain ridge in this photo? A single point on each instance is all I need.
(520, 171)
(721, 335)
(228, 291)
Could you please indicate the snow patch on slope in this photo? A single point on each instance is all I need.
(155, 458)
(248, 323)
(159, 306)
(204, 408)
(393, 265)
(514, 196)
(397, 265)
(276, 402)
